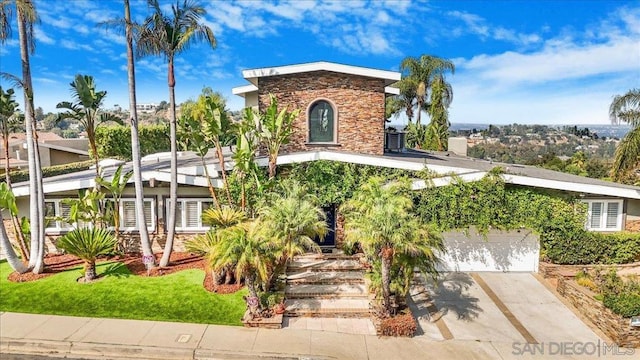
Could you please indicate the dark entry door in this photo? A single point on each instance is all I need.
(330, 237)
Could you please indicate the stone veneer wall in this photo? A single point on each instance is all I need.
(615, 326)
(359, 103)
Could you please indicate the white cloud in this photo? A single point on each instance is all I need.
(42, 37)
(72, 45)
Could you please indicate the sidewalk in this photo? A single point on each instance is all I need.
(133, 339)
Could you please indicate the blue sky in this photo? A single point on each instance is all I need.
(544, 62)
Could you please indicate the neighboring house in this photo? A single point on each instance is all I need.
(54, 150)
(342, 119)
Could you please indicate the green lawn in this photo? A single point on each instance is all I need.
(175, 297)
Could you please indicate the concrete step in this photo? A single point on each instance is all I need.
(325, 277)
(325, 265)
(339, 255)
(319, 291)
(327, 307)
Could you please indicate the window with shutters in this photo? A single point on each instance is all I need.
(604, 215)
(128, 221)
(54, 209)
(189, 214)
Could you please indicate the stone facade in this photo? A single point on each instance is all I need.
(614, 326)
(358, 101)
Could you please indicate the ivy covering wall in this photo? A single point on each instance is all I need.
(557, 217)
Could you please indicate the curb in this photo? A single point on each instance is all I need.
(117, 351)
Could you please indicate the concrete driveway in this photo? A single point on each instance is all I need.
(509, 310)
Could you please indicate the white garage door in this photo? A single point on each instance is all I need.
(497, 251)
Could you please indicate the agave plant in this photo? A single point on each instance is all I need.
(88, 244)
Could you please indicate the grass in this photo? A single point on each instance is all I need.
(178, 297)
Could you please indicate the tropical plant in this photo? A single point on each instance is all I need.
(406, 100)
(207, 124)
(246, 247)
(245, 167)
(380, 218)
(10, 121)
(8, 202)
(224, 217)
(26, 17)
(116, 187)
(87, 210)
(86, 110)
(275, 130)
(88, 244)
(423, 71)
(293, 219)
(626, 108)
(168, 36)
(441, 96)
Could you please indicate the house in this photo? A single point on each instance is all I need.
(342, 119)
(54, 150)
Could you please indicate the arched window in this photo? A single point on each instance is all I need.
(322, 122)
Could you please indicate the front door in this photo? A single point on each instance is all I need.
(329, 240)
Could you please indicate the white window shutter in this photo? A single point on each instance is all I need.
(128, 214)
(613, 209)
(148, 213)
(596, 215)
(192, 214)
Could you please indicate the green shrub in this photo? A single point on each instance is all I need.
(115, 141)
(399, 325)
(23, 175)
(271, 299)
(626, 305)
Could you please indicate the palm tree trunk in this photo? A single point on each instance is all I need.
(39, 264)
(387, 256)
(251, 286)
(90, 271)
(212, 190)
(145, 244)
(273, 158)
(17, 229)
(173, 187)
(223, 172)
(35, 175)
(15, 263)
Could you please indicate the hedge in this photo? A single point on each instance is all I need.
(115, 141)
(23, 175)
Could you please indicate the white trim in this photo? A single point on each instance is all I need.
(64, 148)
(603, 214)
(153, 221)
(572, 186)
(391, 90)
(243, 90)
(447, 180)
(253, 74)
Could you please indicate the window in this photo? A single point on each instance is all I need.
(128, 221)
(56, 208)
(189, 214)
(322, 123)
(604, 215)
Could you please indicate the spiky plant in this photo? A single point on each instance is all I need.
(88, 244)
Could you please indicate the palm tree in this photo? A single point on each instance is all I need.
(441, 97)
(26, 17)
(626, 108)
(405, 101)
(87, 244)
(135, 141)
(275, 130)
(8, 202)
(423, 71)
(116, 187)
(86, 110)
(293, 220)
(247, 248)
(169, 35)
(10, 121)
(379, 218)
(245, 153)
